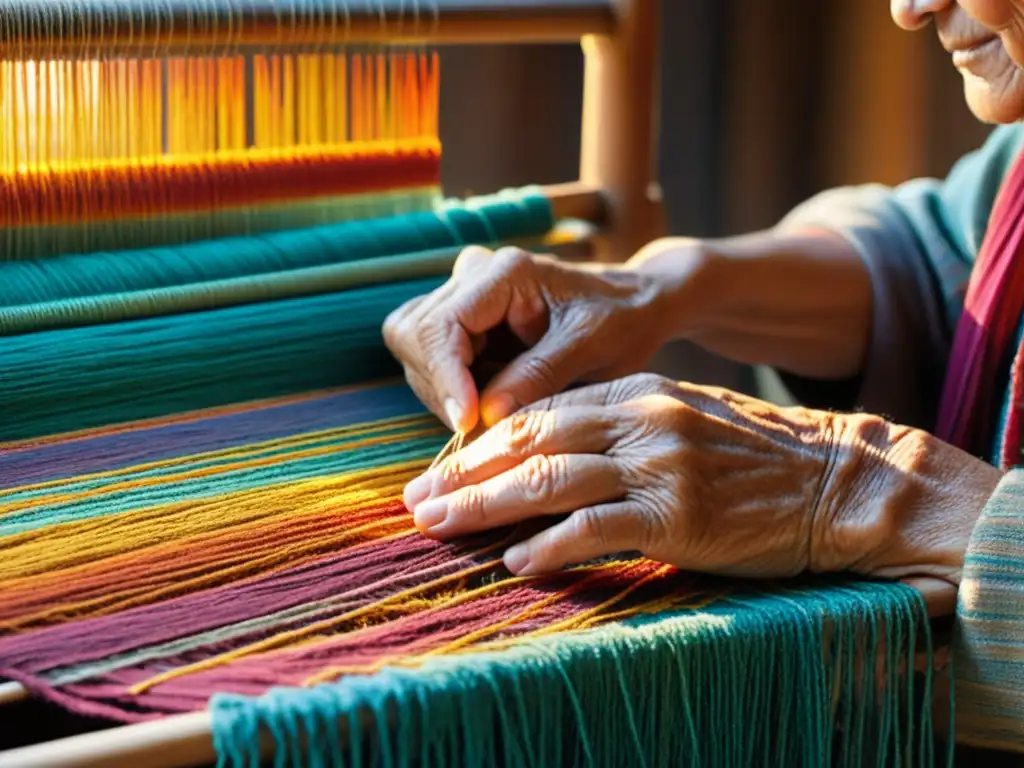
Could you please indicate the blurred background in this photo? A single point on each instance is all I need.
(764, 103)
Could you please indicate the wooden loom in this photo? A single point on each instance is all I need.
(615, 192)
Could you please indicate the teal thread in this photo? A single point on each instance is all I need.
(97, 375)
(508, 216)
(166, 229)
(208, 324)
(746, 681)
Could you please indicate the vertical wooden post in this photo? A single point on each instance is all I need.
(877, 131)
(620, 124)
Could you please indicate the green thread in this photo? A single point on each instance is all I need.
(229, 292)
(311, 281)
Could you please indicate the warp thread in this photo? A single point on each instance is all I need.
(69, 378)
(509, 215)
(119, 151)
(760, 679)
(258, 558)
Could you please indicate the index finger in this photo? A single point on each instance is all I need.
(435, 353)
(477, 302)
(512, 442)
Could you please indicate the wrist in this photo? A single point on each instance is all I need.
(896, 502)
(798, 301)
(683, 282)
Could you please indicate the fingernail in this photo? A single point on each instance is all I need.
(418, 490)
(498, 408)
(517, 558)
(454, 413)
(430, 513)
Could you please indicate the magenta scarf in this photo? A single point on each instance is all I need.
(988, 326)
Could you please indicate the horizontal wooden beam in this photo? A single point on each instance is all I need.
(184, 741)
(41, 29)
(576, 200)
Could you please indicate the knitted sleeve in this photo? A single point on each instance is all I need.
(990, 617)
(919, 242)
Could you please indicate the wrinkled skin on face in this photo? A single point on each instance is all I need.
(985, 39)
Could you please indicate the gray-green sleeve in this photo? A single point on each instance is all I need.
(919, 242)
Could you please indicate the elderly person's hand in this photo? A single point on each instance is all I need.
(574, 322)
(712, 481)
(798, 301)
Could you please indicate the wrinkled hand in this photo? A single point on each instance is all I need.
(574, 323)
(708, 480)
(697, 477)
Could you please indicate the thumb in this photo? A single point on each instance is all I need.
(541, 372)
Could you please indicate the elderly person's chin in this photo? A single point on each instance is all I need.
(993, 83)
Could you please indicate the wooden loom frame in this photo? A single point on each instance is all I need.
(616, 192)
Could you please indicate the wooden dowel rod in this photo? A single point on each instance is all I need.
(576, 200)
(11, 693)
(183, 741)
(43, 28)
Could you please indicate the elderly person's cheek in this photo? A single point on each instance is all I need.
(1003, 16)
(997, 15)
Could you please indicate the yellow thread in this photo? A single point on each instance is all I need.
(341, 84)
(190, 580)
(75, 113)
(250, 449)
(67, 544)
(286, 639)
(193, 473)
(587, 620)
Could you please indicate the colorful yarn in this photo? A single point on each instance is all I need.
(141, 232)
(510, 215)
(200, 509)
(139, 140)
(132, 189)
(150, 568)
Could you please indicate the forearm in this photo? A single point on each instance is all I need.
(797, 301)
